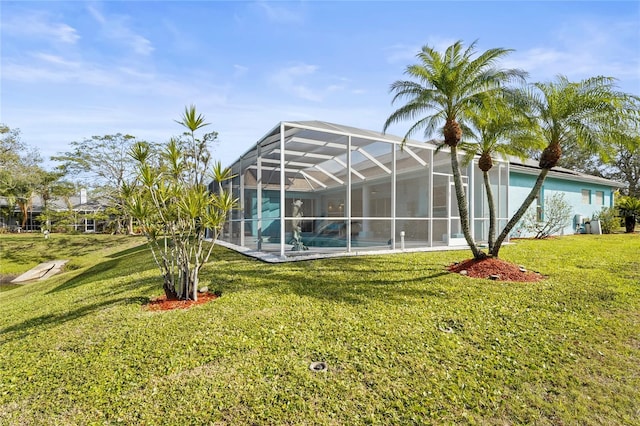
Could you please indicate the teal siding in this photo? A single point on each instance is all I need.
(520, 185)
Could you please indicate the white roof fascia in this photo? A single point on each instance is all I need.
(582, 177)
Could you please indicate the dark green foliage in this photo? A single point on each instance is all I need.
(608, 218)
(629, 210)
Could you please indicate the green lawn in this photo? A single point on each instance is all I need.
(405, 342)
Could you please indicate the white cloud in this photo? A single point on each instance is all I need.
(118, 28)
(239, 71)
(276, 12)
(401, 53)
(587, 48)
(112, 80)
(55, 60)
(47, 68)
(289, 80)
(304, 81)
(39, 25)
(406, 53)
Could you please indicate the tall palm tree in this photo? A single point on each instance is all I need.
(441, 91)
(589, 114)
(497, 127)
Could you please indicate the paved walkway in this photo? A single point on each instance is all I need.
(309, 255)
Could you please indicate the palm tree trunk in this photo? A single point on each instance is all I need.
(492, 210)
(521, 211)
(24, 210)
(462, 205)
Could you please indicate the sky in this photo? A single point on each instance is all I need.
(72, 70)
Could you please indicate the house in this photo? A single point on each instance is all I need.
(80, 214)
(357, 190)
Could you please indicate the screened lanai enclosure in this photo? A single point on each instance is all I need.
(316, 187)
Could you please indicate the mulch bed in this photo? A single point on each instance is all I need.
(161, 303)
(503, 270)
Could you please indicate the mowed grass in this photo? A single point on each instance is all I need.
(405, 341)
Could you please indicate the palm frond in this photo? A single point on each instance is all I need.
(191, 119)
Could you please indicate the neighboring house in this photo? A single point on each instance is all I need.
(82, 212)
(361, 190)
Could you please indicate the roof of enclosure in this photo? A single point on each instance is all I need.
(315, 155)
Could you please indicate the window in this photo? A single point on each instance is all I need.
(586, 196)
(600, 198)
(539, 207)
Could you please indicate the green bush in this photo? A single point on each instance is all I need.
(608, 218)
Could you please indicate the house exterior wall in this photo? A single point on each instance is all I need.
(599, 196)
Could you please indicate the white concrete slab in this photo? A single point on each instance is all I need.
(41, 272)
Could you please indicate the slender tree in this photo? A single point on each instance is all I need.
(104, 164)
(497, 127)
(625, 166)
(442, 89)
(588, 114)
(174, 207)
(20, 172)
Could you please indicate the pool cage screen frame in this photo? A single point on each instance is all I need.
(359, 190)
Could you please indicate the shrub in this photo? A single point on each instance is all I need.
(608, 219)
(556, 215)
(629, 210)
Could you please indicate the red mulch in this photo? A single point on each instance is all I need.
(161, 303)
(491, 266)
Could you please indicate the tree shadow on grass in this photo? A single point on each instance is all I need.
(129, 251)
(356, 291)
(47, 321)
(325, 280)
(126, 262)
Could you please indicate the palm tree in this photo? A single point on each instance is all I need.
(497, 128)
(588, 114)
(629, 209)
(442, 90)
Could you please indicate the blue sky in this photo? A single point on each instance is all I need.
(71, 70)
